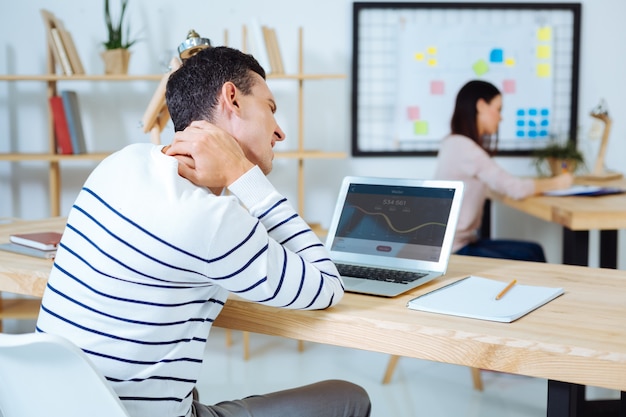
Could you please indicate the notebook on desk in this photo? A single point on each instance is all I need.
(390, 235)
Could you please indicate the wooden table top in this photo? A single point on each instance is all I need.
(579, 337)
(577, 212)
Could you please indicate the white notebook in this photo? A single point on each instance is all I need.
(475, 297)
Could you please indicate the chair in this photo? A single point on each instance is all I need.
(46, 375)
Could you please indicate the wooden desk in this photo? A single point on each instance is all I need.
(579, 338)
(579, 215)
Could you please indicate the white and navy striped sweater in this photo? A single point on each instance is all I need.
(147, 260)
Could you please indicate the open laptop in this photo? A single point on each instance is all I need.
(390, 235)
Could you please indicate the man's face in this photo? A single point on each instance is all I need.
(256, 129)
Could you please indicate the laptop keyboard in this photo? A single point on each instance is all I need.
(379, 274)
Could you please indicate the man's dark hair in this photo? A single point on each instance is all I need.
(464, 117)
(193, 90)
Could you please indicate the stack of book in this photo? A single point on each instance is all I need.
(62, 45)
(68, 128)
(39, 244)
(266, 49)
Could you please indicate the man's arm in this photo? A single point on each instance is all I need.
(276, 259)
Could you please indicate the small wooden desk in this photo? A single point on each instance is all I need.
(578, 339)
(579, 215)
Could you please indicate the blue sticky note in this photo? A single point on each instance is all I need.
(496, 55)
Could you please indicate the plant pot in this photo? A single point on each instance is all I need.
(558, 166)
(116, 61)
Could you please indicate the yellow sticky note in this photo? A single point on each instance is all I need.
(509, 62)
(419, 56)
(432, 50)
(543, 70)
(432, 62)
(544, 34)
(543, 51)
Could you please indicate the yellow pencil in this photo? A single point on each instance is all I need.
(506, 289)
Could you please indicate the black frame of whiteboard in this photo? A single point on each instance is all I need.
(575, 8)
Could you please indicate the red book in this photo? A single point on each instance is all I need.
(61, 128)
(38, 240)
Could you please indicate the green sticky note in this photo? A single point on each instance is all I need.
(420, 127)
(480, 67)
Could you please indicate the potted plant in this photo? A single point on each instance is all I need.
(558, 157)
(116, 56)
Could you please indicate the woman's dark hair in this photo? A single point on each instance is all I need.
(193, 90)
(464, 117)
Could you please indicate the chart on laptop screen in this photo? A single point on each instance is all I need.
(405, 222)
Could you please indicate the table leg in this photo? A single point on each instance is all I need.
(575, 247)
(565, 399)
(608, 249)
(568, 400)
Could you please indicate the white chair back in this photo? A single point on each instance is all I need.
(46, 375)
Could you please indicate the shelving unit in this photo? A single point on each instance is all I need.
(302, 154)
(28, 309)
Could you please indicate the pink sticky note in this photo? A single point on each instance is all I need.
(413, 112)
(508, 86)
(436, 87)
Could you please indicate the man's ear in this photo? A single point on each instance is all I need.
(230, 97)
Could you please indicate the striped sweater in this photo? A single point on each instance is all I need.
(147, 260)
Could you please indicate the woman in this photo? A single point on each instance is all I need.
(466, 155)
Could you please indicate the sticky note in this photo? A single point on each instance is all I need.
(436, 87)
(420, 127)
(413, 112)
(508, 86)
(544, 34)
(432, 50)
(543, 70)
(543, 51)
(419, 56)
(432, 62)
(480, 67)
(509, 62)
(496, 55)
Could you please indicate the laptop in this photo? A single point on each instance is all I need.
(390, 235)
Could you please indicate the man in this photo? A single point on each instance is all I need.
(152, 247)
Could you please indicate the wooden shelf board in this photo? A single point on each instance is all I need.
(310, 155)
(149, 77)
(17, 157)
(19, 308)
(95, 77)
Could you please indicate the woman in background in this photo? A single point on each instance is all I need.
(466, 155)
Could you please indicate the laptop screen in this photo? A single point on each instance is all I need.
(399, 221)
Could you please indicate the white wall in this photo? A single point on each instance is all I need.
(111, 111)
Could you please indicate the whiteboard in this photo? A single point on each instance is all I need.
(411, 59)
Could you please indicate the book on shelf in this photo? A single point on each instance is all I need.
(61, 45)
(37, 240)
(485, 299)
(72, 53)
(273, 51)
(257, 45)
(72, 112)
(60, 53)
(61, 128)
(26, 250)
